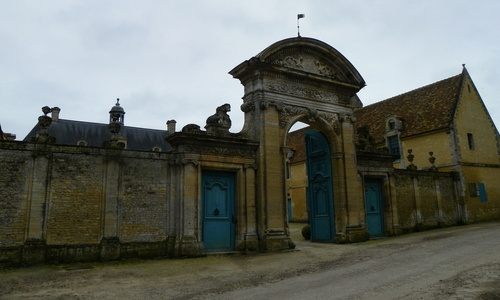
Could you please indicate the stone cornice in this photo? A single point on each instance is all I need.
(212, 145)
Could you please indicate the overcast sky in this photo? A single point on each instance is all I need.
(170, 59)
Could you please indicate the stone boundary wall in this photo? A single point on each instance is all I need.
(426, 200)
(70, 203)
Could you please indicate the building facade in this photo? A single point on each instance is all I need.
(76, 191)
(428, 158)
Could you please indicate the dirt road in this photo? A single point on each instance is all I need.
(452, 263)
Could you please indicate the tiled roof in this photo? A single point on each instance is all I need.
(425, 109)
(69, 132)
(296, 140)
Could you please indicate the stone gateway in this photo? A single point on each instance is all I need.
(77, 191)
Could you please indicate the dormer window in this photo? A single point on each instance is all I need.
(392, 124)
(82, 143)
(393, 128)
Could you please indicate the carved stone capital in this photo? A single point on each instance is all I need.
(347, 118)
(290, 111)
(185, 161)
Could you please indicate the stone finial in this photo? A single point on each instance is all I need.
(46, 110)
(4, 136)
(432, 160)
(42, 136)
(219, 123)
(410, 158)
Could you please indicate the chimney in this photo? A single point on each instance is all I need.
(55, 113)
(171, 126)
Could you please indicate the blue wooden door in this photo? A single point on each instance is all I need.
(374, 208)
(218, 219)
(320, 189)
(289, 212)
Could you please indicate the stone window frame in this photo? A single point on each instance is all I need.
(470, 141)
(393, 126)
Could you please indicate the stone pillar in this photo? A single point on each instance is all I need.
(439, 204)
(416, 193)
(271, 183)
(355, 231)
(189, 244)
(339, 197)
(251, 237)
(393, 199)
(35, 244)
(110, 243)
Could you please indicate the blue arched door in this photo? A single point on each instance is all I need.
(320, 188)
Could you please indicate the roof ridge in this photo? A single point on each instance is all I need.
(106, 124)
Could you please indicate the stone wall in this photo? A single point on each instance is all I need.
(15, 165)
(70, 203)
(426, 199)
(414, 199)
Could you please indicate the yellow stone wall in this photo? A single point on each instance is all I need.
(438, 143)
(297, 190)
(482, 211)
(482, 163)
(472, 118)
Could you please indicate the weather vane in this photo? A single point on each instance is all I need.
(299, 16)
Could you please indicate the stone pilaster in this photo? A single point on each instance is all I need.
(251, 237)
(396, 228)
(355, 231)
(34, 248)
(188, 240)
(272, 182)
(110, 243)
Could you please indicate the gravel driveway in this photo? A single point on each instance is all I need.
(451, 263)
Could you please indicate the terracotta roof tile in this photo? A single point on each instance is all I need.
(422, 110)
(296, 141)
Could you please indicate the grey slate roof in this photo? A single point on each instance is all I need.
(70, 132)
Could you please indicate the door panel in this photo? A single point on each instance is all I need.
(320, 190)
(374, 209)
(218, 224)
